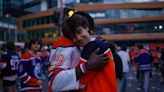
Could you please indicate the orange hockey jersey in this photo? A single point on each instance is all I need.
(100, 80)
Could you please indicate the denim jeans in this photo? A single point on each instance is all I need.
(124, 81)
(144, 79)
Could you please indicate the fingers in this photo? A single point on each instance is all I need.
(40, 82)
(102, 64)
(104, 57)
(96, 51)
(104, 60)
(97, 61)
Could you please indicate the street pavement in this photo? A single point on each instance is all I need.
(154, 86)
(132, 82)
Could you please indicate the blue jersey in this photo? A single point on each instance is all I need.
(30, 71)
(11, 58)
(144, 59)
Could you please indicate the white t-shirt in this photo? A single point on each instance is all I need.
(125, 58)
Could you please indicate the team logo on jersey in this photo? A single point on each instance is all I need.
(33, 62)
(37, 71)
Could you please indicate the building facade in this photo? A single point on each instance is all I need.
(10, 10)
(116, 20)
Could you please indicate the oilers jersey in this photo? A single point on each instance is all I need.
(64, 57)
(11, 59)
(99, 80)
(30, 71)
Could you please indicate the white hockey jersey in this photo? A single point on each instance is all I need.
(64, 57)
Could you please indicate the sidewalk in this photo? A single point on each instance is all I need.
(133, 84)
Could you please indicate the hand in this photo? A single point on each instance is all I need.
(97, 61)
(94, 62)
(40, 82)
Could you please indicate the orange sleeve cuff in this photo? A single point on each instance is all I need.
(33, 82)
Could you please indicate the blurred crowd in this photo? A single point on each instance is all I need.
(77, 62)
(13, 65)
(17, 68)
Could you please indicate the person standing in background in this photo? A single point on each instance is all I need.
(11, 59)
(156, 55)
(30, 68)
(144, 61)
(34, 47)
(125, 58)
(132, 55)
(2, 66)
(118, 65)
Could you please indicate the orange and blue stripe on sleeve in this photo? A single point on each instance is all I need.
(51, 76)
(23, 75)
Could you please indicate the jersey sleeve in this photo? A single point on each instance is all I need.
(65, 80)
(62, 75)
(3, 63)
(51, 58)
(24, 76)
